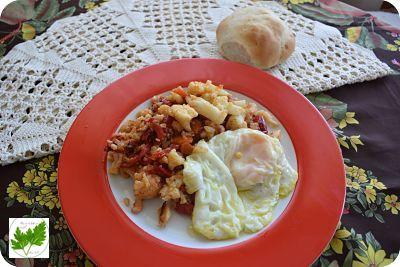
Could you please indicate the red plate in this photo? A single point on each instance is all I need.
(110, 238)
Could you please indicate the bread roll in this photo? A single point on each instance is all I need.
(255, 36)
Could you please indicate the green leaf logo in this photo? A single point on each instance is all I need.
(32, 237)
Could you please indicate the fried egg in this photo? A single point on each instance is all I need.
(238, 178)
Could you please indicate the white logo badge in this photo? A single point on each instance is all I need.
(28, 237)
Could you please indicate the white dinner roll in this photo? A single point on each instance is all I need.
(255, 36)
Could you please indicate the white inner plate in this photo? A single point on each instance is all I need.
(178, 230)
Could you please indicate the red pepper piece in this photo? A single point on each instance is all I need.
(168, 120)
(138, 157)
(186, 209)
(261, 123)
(165, 101)
(180, 92)
(158, 130)
(159, 154)
(147, 136)
(161, 171)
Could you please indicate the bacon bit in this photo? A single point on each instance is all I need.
(131, 161)
(186, 149)
(186, 209)
(145, 149)
(165, 101)
(261, 123)
(158, 130)
(159, 154)
(174, 146)
(196, 126)
(147, 136)
(130, 148)
(138, 157)
(168, 120)
(161, 171)
(180, 92)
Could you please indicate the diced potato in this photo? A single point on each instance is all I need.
(210, 131)
(236, 122)
(206, 109)
(174, 159)
(234, 109)
(183, 114)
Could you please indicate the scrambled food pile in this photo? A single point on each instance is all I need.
(229, 184)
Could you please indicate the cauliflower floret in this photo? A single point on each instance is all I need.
(183, 114)
(209, 96)
(174, 97)
(145, 186)
(236, 122)
(174, 159)
(170, 191)
(206, 109)
(199, 88)
(221, 102)
(164, 110)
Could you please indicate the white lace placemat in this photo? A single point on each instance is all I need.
(45, 82)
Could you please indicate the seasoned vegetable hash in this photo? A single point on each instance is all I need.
(152, 149)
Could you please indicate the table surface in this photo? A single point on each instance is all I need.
(364, 116)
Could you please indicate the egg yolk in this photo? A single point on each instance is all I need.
(252, 160)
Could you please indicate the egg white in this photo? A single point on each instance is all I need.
(218, 210)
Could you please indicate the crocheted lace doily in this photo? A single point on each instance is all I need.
(45, 82)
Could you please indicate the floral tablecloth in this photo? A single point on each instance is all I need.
(364, 117)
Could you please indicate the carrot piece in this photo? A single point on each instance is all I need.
(179, 140)
(187, 149)
(180, 92)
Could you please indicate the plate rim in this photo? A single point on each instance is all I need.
(227, 73)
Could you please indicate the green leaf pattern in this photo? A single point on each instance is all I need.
(32, 237)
